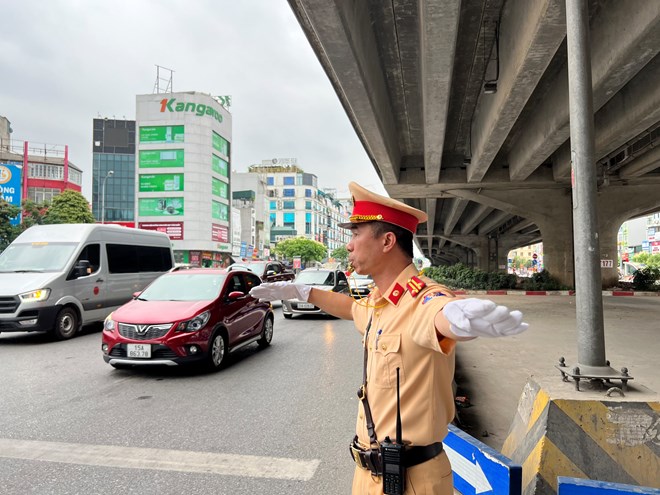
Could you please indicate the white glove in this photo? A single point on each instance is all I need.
(482, 318)
(281, 290)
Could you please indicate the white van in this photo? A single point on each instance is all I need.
(58, 278)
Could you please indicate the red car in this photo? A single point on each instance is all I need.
(197, 315)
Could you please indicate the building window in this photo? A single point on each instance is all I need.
(42, 194)
(273, 218)
(289, 205)
(308, 205)
(289, 181)
(273, 205)
(308, 193)
(290, 220)
(289, 193)
(270, 181)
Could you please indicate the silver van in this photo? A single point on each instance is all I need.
(57, 278)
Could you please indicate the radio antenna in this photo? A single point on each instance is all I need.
(399, 436)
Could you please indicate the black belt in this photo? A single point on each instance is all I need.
(370, 459)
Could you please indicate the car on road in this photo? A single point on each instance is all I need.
(360, 285)
(269, 271)
(319, 278)
(197, 316)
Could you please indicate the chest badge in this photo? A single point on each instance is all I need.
(395, 295)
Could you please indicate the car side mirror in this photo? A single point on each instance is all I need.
(343, 283)
(234, 295)
(270, 272)
(136, 295)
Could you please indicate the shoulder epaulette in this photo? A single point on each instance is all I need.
(415, 285)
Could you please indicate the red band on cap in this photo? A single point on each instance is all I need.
(370, 211)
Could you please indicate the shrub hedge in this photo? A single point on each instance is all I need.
(460, 276)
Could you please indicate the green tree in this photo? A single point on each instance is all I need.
(69, 207)
(307, 249)
(33, 213)
(340, 254)
(647, 259)
(8, 232)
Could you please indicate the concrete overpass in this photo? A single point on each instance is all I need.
(462, 106)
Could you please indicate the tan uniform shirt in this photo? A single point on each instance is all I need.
(403, 335)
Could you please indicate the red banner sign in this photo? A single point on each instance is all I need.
(173, 229)
(219, 233)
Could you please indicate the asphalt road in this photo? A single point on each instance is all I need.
(274, 421)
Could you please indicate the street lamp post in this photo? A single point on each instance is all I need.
(107, 176)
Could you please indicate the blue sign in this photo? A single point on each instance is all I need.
(11, 186)
(243, 250)
(478, 468)
(579, 486)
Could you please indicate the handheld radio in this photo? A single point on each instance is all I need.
(394, 471)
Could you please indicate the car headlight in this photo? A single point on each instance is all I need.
(197, 323)
(109, 324)
(35, 295)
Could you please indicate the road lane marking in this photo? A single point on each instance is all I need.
(159, 459)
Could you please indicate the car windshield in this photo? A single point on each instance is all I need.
(255, 267)
(315, 277)
(180, 286)
(37, 257)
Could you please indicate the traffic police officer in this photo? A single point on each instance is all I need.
(410, 325)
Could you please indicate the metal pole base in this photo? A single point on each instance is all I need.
(597, 375)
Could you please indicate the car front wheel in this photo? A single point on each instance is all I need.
(217, 351)
(266, 333)
(66, 324)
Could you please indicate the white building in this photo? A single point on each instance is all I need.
(249, 195)
(182, 179)
(298, 207)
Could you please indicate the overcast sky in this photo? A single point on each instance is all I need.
(66, 62)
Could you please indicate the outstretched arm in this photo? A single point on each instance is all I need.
(465, 319)
(336, 304)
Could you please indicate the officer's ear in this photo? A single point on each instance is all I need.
(389, 241)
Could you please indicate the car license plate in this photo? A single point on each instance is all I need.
(305, 306)
(138, 350)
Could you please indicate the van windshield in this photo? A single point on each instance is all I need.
(37, 257)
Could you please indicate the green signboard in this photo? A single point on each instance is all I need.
(220, 144)
(220, 211)
(161, 182)
(161, 158)
(219, 166)
(162, 134)
(160, 207)
(219, 188)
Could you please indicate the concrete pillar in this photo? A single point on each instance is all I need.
(558, 250)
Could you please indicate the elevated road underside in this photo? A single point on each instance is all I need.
(463, 108)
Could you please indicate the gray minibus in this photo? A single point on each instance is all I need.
(57, 278)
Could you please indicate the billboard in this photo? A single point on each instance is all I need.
(219, 233)
(10, 186)
(161, 134)
(173, 229)
(219, 166)
(219, 211)
(160, 158)
(161, 182)
(219, 188)
(160, 207)
(220, 144)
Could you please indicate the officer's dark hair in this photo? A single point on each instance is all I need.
(404, 238)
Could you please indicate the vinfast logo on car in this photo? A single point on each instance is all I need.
(199, 109)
